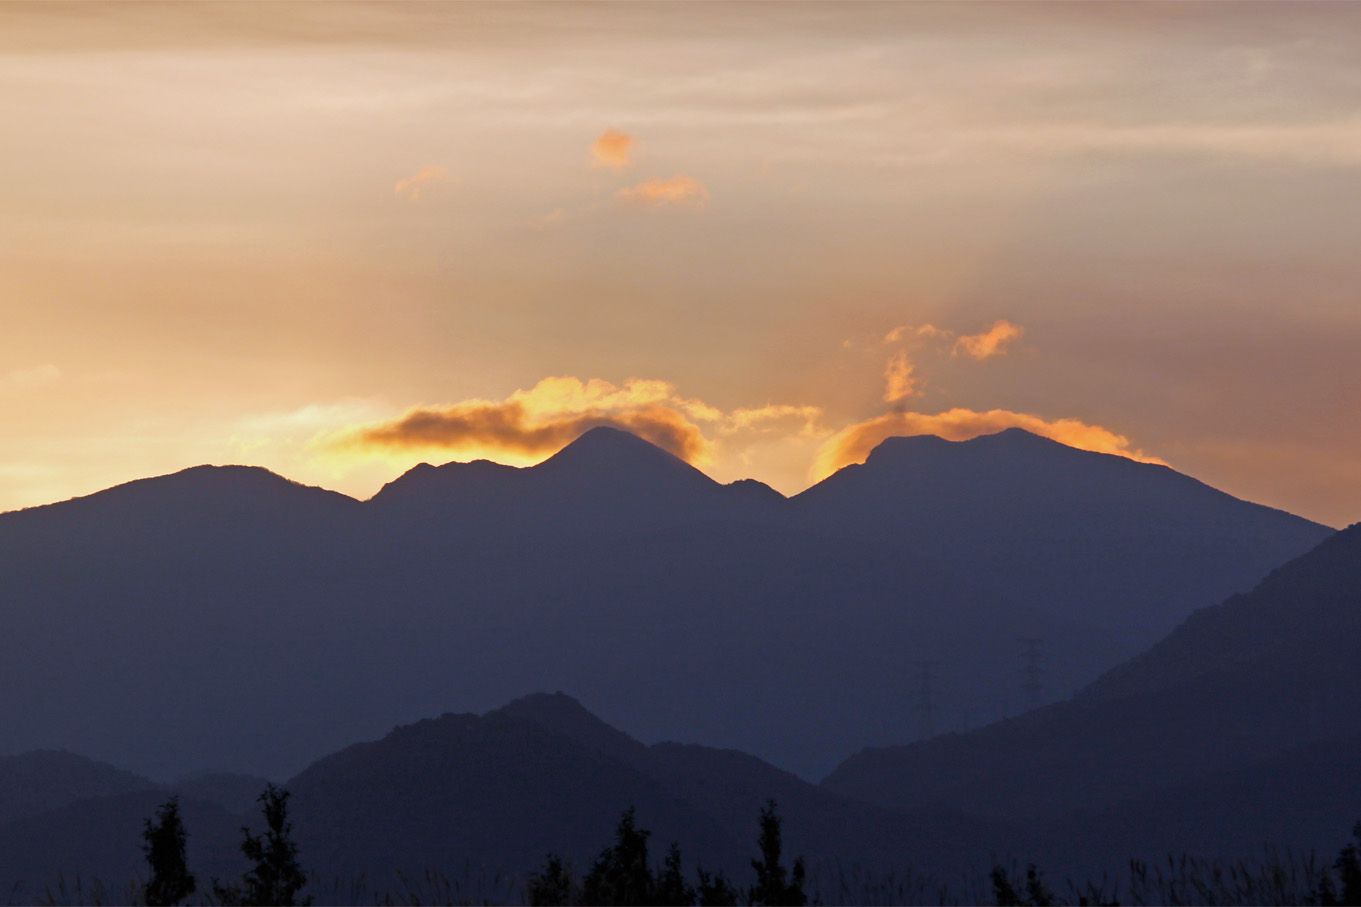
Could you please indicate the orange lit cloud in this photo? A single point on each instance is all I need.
(535, 423)
(854, 443)
(676, 190)
(992, 342)
(774, 417)
(899, 380)
(420, 184)
(612, 149)
(904, 331)
(532, 424)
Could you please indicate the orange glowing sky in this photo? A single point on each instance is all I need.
(336, 240)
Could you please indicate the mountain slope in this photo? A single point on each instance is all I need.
(606, 477)
(1258, 693)
(499, 791)
(96, 843)
(480, 800)
(265, 622)
(1015, 505)
(35, 782)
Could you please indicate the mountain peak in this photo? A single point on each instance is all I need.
(605, 450)
(606, 439)
(756, 492)
(561, 714)
(1014, 435)
(1008, 439)
(231, 487)
(435, 484)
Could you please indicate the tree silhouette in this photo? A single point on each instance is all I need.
(276, 877)
(164, 840)
(552, 887)
(620, 875)
(715, 891)
(671, 889)
(775, 886)
(1347, 891)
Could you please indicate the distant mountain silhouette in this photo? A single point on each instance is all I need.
(35, 782)
(606, 476)
(543, 774)
(1238, 730)
(224, 618)
(483, 799)
(99, 840)
(64, 818)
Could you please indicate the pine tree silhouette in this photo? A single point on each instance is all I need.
(171, 881)
(621, 874)
(775, 886)
(672, 890)
(276, 877)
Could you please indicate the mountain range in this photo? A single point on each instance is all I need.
(476, 801)
(1238, 731)
(226, 619)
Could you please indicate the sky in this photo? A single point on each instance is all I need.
(340, 240)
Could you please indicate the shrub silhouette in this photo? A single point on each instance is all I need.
(276, 877)
(775, 886)
(171, 881)
(552, 887)
(1032, 893)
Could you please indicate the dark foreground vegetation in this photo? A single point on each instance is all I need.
(625, 874)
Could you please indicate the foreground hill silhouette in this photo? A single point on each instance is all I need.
(1240, 729)
(66, 819)
(224, 618)
(482, 799)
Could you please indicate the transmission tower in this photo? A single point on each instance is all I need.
(1031, 670)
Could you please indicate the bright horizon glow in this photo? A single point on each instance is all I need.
(952, 426)
(315, 237)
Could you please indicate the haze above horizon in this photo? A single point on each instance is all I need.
(339, 240)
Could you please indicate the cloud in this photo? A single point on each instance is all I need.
(612, 149)
(535, 423)
(992, 342)
(29, 378)
(854, 443)
(677, 190)
(904, 331)
(772, 416)
(899, 380)
(420, 184)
